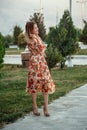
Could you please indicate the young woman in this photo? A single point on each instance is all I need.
(39, 78)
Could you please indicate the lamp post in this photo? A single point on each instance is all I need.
(41, 7)
(57, 18)
(69, 57)
(70, 7)
(40, 10)
(82, 4)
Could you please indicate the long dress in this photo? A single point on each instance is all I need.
(39, 77)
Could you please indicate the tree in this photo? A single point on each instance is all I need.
(52, 37)
(79, 32)
(21, 40)
(17, 30)
(64, 37)
(56, 37)
(83, 36)
(39, 19)
(7, 40)
(53, 56)
(2, 50)
(68, 35)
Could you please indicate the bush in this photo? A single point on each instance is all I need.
(53, 56)
(2, 52)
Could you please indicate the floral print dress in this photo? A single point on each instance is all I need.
(39, 78)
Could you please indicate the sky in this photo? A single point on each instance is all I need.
(18, 12)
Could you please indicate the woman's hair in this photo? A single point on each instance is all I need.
(29, 27)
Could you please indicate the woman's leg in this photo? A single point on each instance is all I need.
(35, 108)
(45, 95)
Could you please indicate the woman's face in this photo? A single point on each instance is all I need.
(35, 29)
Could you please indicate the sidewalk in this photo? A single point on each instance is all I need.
(67, 113)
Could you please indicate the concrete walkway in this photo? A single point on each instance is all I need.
(67, 113)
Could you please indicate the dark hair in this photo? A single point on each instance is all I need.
(29, 27)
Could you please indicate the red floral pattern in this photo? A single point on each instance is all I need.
(39, 78)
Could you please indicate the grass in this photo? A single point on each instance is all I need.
(15, 103)
(14, 51)
(82, 52)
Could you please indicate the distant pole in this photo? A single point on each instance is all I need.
(70, 7)
(41, 7)
(57, 18)
(82, 3)
(69, 57)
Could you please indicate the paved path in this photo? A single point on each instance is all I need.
(67, 113)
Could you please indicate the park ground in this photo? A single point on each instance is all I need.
(15, 103)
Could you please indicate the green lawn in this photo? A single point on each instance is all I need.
(13, 51)
(82, 52)
(15, 103)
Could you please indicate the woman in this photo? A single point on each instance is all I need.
(39, 78)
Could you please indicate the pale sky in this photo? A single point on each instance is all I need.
(17, 12)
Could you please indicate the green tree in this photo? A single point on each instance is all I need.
(79, 32)
(68, 35)
(64, 37)
(53, 56)
(52, 36)
(39, 19)
(2, 50)
(83, 37)
(17, 30)
(7, 40)
(21, 40)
